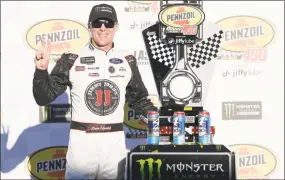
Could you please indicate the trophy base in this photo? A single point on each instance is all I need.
(170, 162)
(165, 122)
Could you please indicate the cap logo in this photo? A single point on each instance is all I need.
(107, 9)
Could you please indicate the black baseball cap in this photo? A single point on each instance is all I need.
(103, 11)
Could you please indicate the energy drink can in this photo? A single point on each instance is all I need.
(153, 127)
(204, 129)
(212, 134)
(179, 128)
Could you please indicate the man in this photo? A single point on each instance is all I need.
(101, 80)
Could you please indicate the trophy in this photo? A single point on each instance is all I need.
(176, 48)
(175, 45)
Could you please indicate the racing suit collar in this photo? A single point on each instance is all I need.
(92, 48)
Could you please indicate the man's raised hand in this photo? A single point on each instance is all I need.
(43, 55)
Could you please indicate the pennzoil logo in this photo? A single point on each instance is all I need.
(245, 38)
(142, 6)
(182, 19)
(137, 127)
(48, 163)
(65, 35)
(253, 161)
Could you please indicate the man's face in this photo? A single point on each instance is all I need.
(103, 31)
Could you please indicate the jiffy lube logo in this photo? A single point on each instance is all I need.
(183, 19)
(245, 38)
(253, 161)
(65, 35)
(48, 163)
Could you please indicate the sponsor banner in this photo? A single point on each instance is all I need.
(246, 38)
(254, 161)
(87, 60)
(55, 113)
(142, 6)
(141, 25)
(181, 23)
(48, 163)
(65, 35)
(182, 15)
(137, 128)
(242, 110)
(241, 72)
(182, 165)
(142, 57)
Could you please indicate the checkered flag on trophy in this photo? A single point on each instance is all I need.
(198, 55)
(205, 51)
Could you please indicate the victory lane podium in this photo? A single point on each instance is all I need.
(176, 51)
(191, 162)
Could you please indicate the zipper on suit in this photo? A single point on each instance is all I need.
(103, 95)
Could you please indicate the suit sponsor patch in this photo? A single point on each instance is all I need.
(102, 97)
(94, 74)
(111, 69)
(72, 57)
(79, 68)
(87, 60)
(131, 59)
(116, 61)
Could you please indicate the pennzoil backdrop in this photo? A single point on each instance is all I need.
(244, 94)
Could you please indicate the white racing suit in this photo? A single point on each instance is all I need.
(100, 84)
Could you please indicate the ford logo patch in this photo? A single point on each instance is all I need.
(116, 61)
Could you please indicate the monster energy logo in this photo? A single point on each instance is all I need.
(242, 110)
(150, 162)
(229, 110)
(142, 147)
(218, 147)
(194, 167)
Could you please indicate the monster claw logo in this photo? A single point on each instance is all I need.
(218, 147)
(142, 148)
(150, 162)
(229, 110)
(242, 110)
